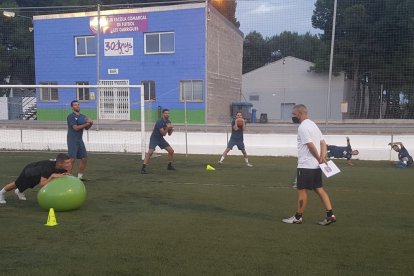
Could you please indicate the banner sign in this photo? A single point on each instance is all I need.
(120, 23)
(119, 46)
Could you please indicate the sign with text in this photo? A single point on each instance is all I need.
(119, 46)
(120, 23)
(113, 71)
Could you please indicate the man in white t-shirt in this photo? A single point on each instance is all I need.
(311, 153)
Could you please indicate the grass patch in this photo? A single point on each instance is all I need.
(224, 222)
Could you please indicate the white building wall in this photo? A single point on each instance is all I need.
(4, 109)
(290, 81)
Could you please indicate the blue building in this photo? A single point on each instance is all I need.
(187, 56)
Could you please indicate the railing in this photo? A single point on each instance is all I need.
(29, 107)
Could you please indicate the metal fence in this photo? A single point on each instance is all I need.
(365, 72)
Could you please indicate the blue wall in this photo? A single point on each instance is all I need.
(55, 58)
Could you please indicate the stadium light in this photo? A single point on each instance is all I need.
(11, 14)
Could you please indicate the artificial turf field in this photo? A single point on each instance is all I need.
(223, 222)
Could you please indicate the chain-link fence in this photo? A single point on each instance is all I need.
(286, 59)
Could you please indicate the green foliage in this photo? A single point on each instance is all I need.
(258, 50)
(374, 41)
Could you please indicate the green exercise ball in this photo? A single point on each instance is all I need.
(62, 194)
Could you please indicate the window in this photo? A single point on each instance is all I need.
(159, 43)
(82, 94)
(85, 46)
(49, 94)
(192, 90)
(253, 97)
(149, 90)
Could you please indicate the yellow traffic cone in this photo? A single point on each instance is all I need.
(51, 218)
(210, 168)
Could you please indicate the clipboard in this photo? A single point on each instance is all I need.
(329, 168)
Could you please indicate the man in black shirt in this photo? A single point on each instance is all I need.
(342, 152)
(41, 172)
(405, 158)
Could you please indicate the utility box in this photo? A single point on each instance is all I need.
(244, 107)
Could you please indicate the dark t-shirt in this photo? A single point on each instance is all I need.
(236, 134)
(161, 123)
(74, 119)
(340, 152)
(404, 153)
(40, 169)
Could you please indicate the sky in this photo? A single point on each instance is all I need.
(271, 17)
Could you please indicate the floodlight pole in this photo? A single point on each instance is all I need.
(98, 65)
(328, 99)
(143, 134)
(185, 124)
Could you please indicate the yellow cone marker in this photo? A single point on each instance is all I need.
(51, 218)
(210, 168)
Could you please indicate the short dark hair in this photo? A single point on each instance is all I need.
(62, 157)
(165, 109)
(74, 101)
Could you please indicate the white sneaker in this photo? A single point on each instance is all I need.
(20, 195)
(2, 199)
(293, 220)
(220, 162)
(249, 165)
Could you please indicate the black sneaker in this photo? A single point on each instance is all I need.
(170, 167)
(143, 171)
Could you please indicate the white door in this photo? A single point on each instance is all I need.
(114, 102)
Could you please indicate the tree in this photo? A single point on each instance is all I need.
(374, 46)
(255, 54)
(259, 51)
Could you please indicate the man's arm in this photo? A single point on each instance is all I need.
(315, 153)
(163, 131)
(348, 143)
(396, 143)
(82, 126)
(90, 123)
(44, 180)
(322, 157)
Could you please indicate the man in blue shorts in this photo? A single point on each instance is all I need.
(77, 122)
(403, 155)
(162, 127)
(41, 172)
(342, 152)
(236, 139)
(311, 153)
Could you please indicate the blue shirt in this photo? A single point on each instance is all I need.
(161, 123)
(236, 134)
(340, 152)
(403, 153)
(74, 119)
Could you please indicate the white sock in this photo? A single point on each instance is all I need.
(3, 191)
(222, 159)
(247, 160)
(80, 175)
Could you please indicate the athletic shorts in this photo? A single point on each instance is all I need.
(23, 182)
(77, 149)
(309, 179)
(162, 143)
(238, 143)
